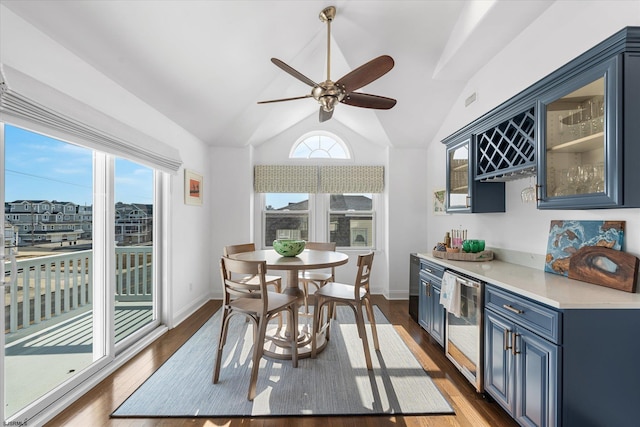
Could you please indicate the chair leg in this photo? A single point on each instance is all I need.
(305, 295)
(222, 339)
(316, 325)
(294, 336)
(258, 348)
(363, 336)
(330, 307)
(278, 288)
(372, 322)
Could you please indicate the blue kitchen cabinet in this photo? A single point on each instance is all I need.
(522, 367)
(587, 148)
(499, 373)
(588, 128)
(583, 121)
(465, 194)
(431, 313)
(536, 374)
(521, 371)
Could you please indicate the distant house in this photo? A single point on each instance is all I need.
(134, 223)
(43, 221)
(351, 222)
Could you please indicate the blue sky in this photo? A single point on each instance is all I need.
(42, 168)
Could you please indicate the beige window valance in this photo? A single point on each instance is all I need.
(351, 179)
(285, 179)
(318, 179)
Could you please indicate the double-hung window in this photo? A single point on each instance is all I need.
(330, 201)
(285, 216)
(352, 220)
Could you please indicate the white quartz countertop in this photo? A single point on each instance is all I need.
(550, 289)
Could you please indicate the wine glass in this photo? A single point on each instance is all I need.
(528, 194)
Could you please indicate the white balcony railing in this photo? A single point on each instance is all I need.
(48, 286)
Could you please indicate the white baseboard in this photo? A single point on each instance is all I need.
(183, 314)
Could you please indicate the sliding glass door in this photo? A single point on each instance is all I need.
(68, 309)
(135, 296)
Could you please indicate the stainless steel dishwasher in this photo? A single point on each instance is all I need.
(464, 343)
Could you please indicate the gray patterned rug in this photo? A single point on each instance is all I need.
(335, 383)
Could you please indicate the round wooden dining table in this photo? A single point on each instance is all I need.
(278, 346)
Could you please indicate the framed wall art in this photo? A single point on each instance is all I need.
(192, 188)
(438, 202)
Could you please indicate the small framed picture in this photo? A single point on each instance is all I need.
(192, 188)
(438, 202)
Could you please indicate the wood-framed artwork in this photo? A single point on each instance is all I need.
(192, 188)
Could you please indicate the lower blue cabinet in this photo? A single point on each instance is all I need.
(536, 369)
(521, 371)
(431, 315)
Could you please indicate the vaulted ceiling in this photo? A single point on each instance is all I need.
(205, 64)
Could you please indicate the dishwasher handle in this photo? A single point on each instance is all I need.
(464, 281)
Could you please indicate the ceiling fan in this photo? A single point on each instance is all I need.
(329, 93)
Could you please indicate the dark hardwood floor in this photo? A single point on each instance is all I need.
(471, 409)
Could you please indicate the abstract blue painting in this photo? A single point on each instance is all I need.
(566, 237)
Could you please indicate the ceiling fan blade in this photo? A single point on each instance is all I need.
(365, 74)
(368, 101)
(325, 115)
(284, 99)
(298, 75)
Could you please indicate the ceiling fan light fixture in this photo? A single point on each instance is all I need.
(328, 103)
(329, 93)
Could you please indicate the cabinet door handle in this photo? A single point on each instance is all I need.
(512, 309)
(505, 339)
(538, 191)
(467, 202)
(514, 344)
(428, 289)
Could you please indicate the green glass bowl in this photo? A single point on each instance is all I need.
(288, 247)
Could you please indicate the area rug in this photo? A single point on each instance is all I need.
(335, 383)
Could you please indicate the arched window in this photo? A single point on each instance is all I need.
(319, 145)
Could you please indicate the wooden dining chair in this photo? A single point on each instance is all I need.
(258, 305)
(275, 281)
(316, 278)
(355, 296)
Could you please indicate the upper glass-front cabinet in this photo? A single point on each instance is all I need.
(464, 193)
(458, 160)
(579, 149)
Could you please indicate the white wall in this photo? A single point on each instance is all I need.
(36, 55)
(408, 201)
(564, 31)
(231, 221)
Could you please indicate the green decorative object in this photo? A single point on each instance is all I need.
(288, 247)
(473, 246)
